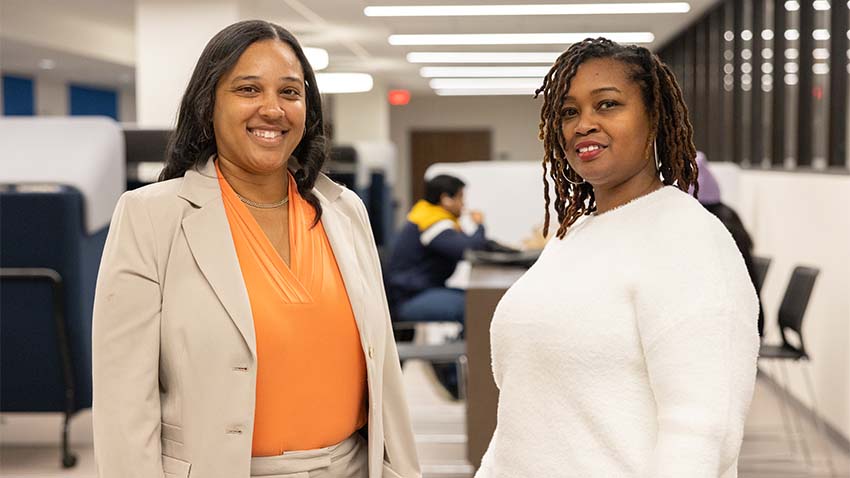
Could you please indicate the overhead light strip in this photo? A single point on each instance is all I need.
(482, 57)
(526, 10)
(516, 38)
(335, 83)
(483, 71)
(530, 84)
(317, 57)
(487, 92)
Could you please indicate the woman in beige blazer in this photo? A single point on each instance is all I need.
(175, 337)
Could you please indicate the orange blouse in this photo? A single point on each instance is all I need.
(311, 372)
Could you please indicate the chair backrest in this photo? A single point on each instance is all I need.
(45, 229)
(795, 302)
(761, 265)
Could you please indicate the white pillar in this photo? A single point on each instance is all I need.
(361, 116)
(170, 36)
(51, 96)
(127, 105)
(1, 92)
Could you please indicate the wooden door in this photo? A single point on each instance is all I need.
(429, 147)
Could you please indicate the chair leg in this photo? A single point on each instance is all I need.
(786, 422)
(804, 445)
(462, 372)
(69, 460)
(819, 420)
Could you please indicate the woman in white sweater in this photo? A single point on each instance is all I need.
(629, 349)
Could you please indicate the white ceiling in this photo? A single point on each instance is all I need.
(355, 42)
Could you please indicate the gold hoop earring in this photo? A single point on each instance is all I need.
(655, 152)
(567, 177)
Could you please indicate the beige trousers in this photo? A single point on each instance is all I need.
(347, 459)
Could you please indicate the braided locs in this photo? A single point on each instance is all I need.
(670, 127)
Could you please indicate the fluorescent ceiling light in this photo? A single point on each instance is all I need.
(820, 34)
(331, 83)
(318, 58)
(516, 38)
(483, 71)
(482, 57)
(489, 92)
(486, 83)
(820, 68)
(524, 10)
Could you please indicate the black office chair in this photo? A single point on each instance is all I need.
(791, 315)
(762, 264)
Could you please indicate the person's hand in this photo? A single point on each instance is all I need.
(477, 217)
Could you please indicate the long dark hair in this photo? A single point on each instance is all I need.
(193, 141)
(669, 125)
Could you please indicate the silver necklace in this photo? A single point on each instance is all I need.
(258, 205)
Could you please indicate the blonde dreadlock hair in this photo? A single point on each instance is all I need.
(670, 129)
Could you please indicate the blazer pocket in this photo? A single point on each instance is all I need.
(171, 432)
(388, 472)
(175, 468)
(171, 440)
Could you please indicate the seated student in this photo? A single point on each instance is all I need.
(426, 253)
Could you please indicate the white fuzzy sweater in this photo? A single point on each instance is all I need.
(628, 350)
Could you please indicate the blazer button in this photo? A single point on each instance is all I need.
(371, 353)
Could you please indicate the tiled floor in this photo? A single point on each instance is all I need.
(441, 438)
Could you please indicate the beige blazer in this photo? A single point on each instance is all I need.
(173, 345)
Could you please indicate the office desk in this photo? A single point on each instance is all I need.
(487, 284)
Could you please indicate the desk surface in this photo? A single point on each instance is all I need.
(489, 276)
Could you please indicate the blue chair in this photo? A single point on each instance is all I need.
(58, 185)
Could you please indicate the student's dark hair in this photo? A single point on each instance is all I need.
(193, 140)
(670, 127)
(442, 184)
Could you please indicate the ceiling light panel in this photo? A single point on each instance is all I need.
(318, 57)
(516, 38)
(333, 83)
(486, 83)
(526, 10)
(487, 92)
(482, 57)
(483, 71)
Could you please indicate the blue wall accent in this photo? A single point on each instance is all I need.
(18, 96)
(87, 101)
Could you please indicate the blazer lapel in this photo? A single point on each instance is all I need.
(210, 240)
(341, 238)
